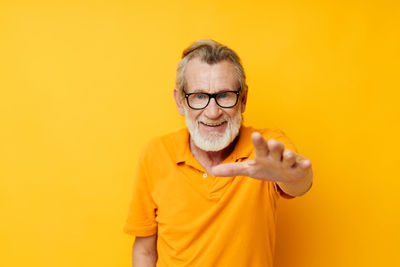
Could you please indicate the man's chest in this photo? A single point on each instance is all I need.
(187, 194)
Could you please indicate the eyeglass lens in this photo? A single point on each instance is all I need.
(224, 99)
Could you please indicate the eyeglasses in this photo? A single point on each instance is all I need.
(224, 99)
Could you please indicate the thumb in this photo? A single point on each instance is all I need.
(230, 169)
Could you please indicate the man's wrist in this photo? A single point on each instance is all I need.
(297, 187)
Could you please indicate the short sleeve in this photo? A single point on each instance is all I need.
(141, 220)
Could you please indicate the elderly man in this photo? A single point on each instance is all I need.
(207, 195)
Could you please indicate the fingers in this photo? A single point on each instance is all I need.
(263, 148)
(295, 164)
(289, 159)
(305, 164)
(275, 149)
(260, 145)
(230, 169)
(301, 167)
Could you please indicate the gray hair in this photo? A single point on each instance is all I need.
(210, 52)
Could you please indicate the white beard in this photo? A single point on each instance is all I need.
(214, 141)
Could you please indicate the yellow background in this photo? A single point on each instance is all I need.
(84, 84)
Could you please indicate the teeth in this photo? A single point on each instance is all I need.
(213, 124)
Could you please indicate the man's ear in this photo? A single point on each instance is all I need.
(179, 102)
(243, 99)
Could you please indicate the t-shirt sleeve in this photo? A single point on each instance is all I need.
(279, 135)
(141, 220)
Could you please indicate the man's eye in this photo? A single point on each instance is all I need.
(222, 95)
(200, 96)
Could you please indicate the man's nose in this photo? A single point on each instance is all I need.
(212, 111)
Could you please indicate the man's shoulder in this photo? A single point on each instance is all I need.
(266, 132)
(170, 143)
(169, 139)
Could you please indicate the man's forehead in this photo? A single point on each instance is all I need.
(201, 75)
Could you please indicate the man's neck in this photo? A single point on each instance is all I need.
(209, 159)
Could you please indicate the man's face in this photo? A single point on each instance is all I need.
(212, 128)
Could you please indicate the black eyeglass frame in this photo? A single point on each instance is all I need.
(210, 96)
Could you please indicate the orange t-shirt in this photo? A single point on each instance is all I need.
(203, 220)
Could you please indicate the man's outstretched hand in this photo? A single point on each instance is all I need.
(271, 163)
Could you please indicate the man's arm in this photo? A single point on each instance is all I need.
(144, 251)
(292, 172)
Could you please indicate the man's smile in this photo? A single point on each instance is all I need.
(216, 124)
(215, 127)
